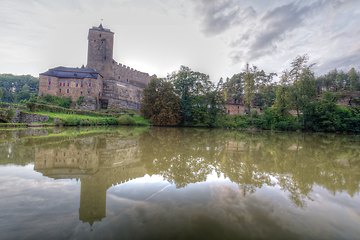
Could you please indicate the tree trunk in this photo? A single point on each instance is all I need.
(297, 111)
(252, 122)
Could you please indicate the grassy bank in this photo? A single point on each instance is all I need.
(85, 120)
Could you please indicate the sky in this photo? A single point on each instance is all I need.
(216, 37)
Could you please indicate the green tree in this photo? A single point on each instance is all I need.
(190, 86)
(160, 104)
(301, 84)
(354, 80)
(249, 76)
(234, 86)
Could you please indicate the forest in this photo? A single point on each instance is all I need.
(189, 98)
(14, 89)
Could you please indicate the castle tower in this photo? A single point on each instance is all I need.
(100, 51)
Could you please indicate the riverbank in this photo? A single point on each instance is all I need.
(38, 115)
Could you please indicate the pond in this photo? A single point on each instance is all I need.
(178, 183)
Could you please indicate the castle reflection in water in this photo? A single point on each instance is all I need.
(98, 162)
(103, 157)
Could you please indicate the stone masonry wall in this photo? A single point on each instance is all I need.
(122, 104)
(33, 118)
(75, 88)
(117, 90)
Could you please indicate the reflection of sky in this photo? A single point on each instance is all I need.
(37, 207)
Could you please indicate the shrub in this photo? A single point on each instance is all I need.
(126, 120)
(80, 100)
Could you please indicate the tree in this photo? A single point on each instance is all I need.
(1, 93)
(160, 104)
(234, 86)
(354, 80)
(191, 87)
(249, 76)
(300, 83)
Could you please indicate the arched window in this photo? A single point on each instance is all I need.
(81, 83)
(89, 82)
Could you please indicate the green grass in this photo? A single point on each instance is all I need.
(141, 121)
(7, 125)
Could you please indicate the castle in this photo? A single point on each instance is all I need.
(111, 83)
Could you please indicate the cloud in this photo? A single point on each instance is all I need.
(219, 16)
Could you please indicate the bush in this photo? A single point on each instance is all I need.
(64, 102)
(80, 100)
(126, 120)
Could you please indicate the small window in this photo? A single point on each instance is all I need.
(94, 40)
(135, 83)
(127, 80)
(49, 80)
(60, 82)
(238, 107)
(68, 82)
(119, 77)
(81, 83)
(228, 111)
(100, 35)
(88, 92)
(49, 87)
(81, 93)
(89, 82)
(60, 89)
(67, 90)
(77, 83)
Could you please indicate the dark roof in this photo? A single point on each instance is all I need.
(65, 72)
(101, 28)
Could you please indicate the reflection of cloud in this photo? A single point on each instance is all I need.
(220, 211)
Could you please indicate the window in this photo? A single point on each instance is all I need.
(68, 82)
(49, 80)
(77, 83)
(60, 82)
(81, 93)
(238, 107)
(100, 35)
(89, 82)
(81, 83)
(127, 80)
(67, 90)
(60, 89)
(88, 92)
(49, 87)
(119, 77)
(228, 111)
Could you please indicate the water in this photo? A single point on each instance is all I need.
(172, 183)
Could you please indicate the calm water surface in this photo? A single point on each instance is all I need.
(171, 183)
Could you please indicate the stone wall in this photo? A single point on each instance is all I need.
(89, 104)
(118, 90)
(33, 118)
(131, 76)
(100, 51)
(123, 104)
(70, 87)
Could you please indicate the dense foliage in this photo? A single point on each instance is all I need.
(17, 88)
(202, 104)
(160, 104)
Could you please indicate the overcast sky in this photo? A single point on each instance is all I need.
(157, 36)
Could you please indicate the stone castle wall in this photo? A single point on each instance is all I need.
(74, 89)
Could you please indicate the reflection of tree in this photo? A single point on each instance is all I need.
(296, 160)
